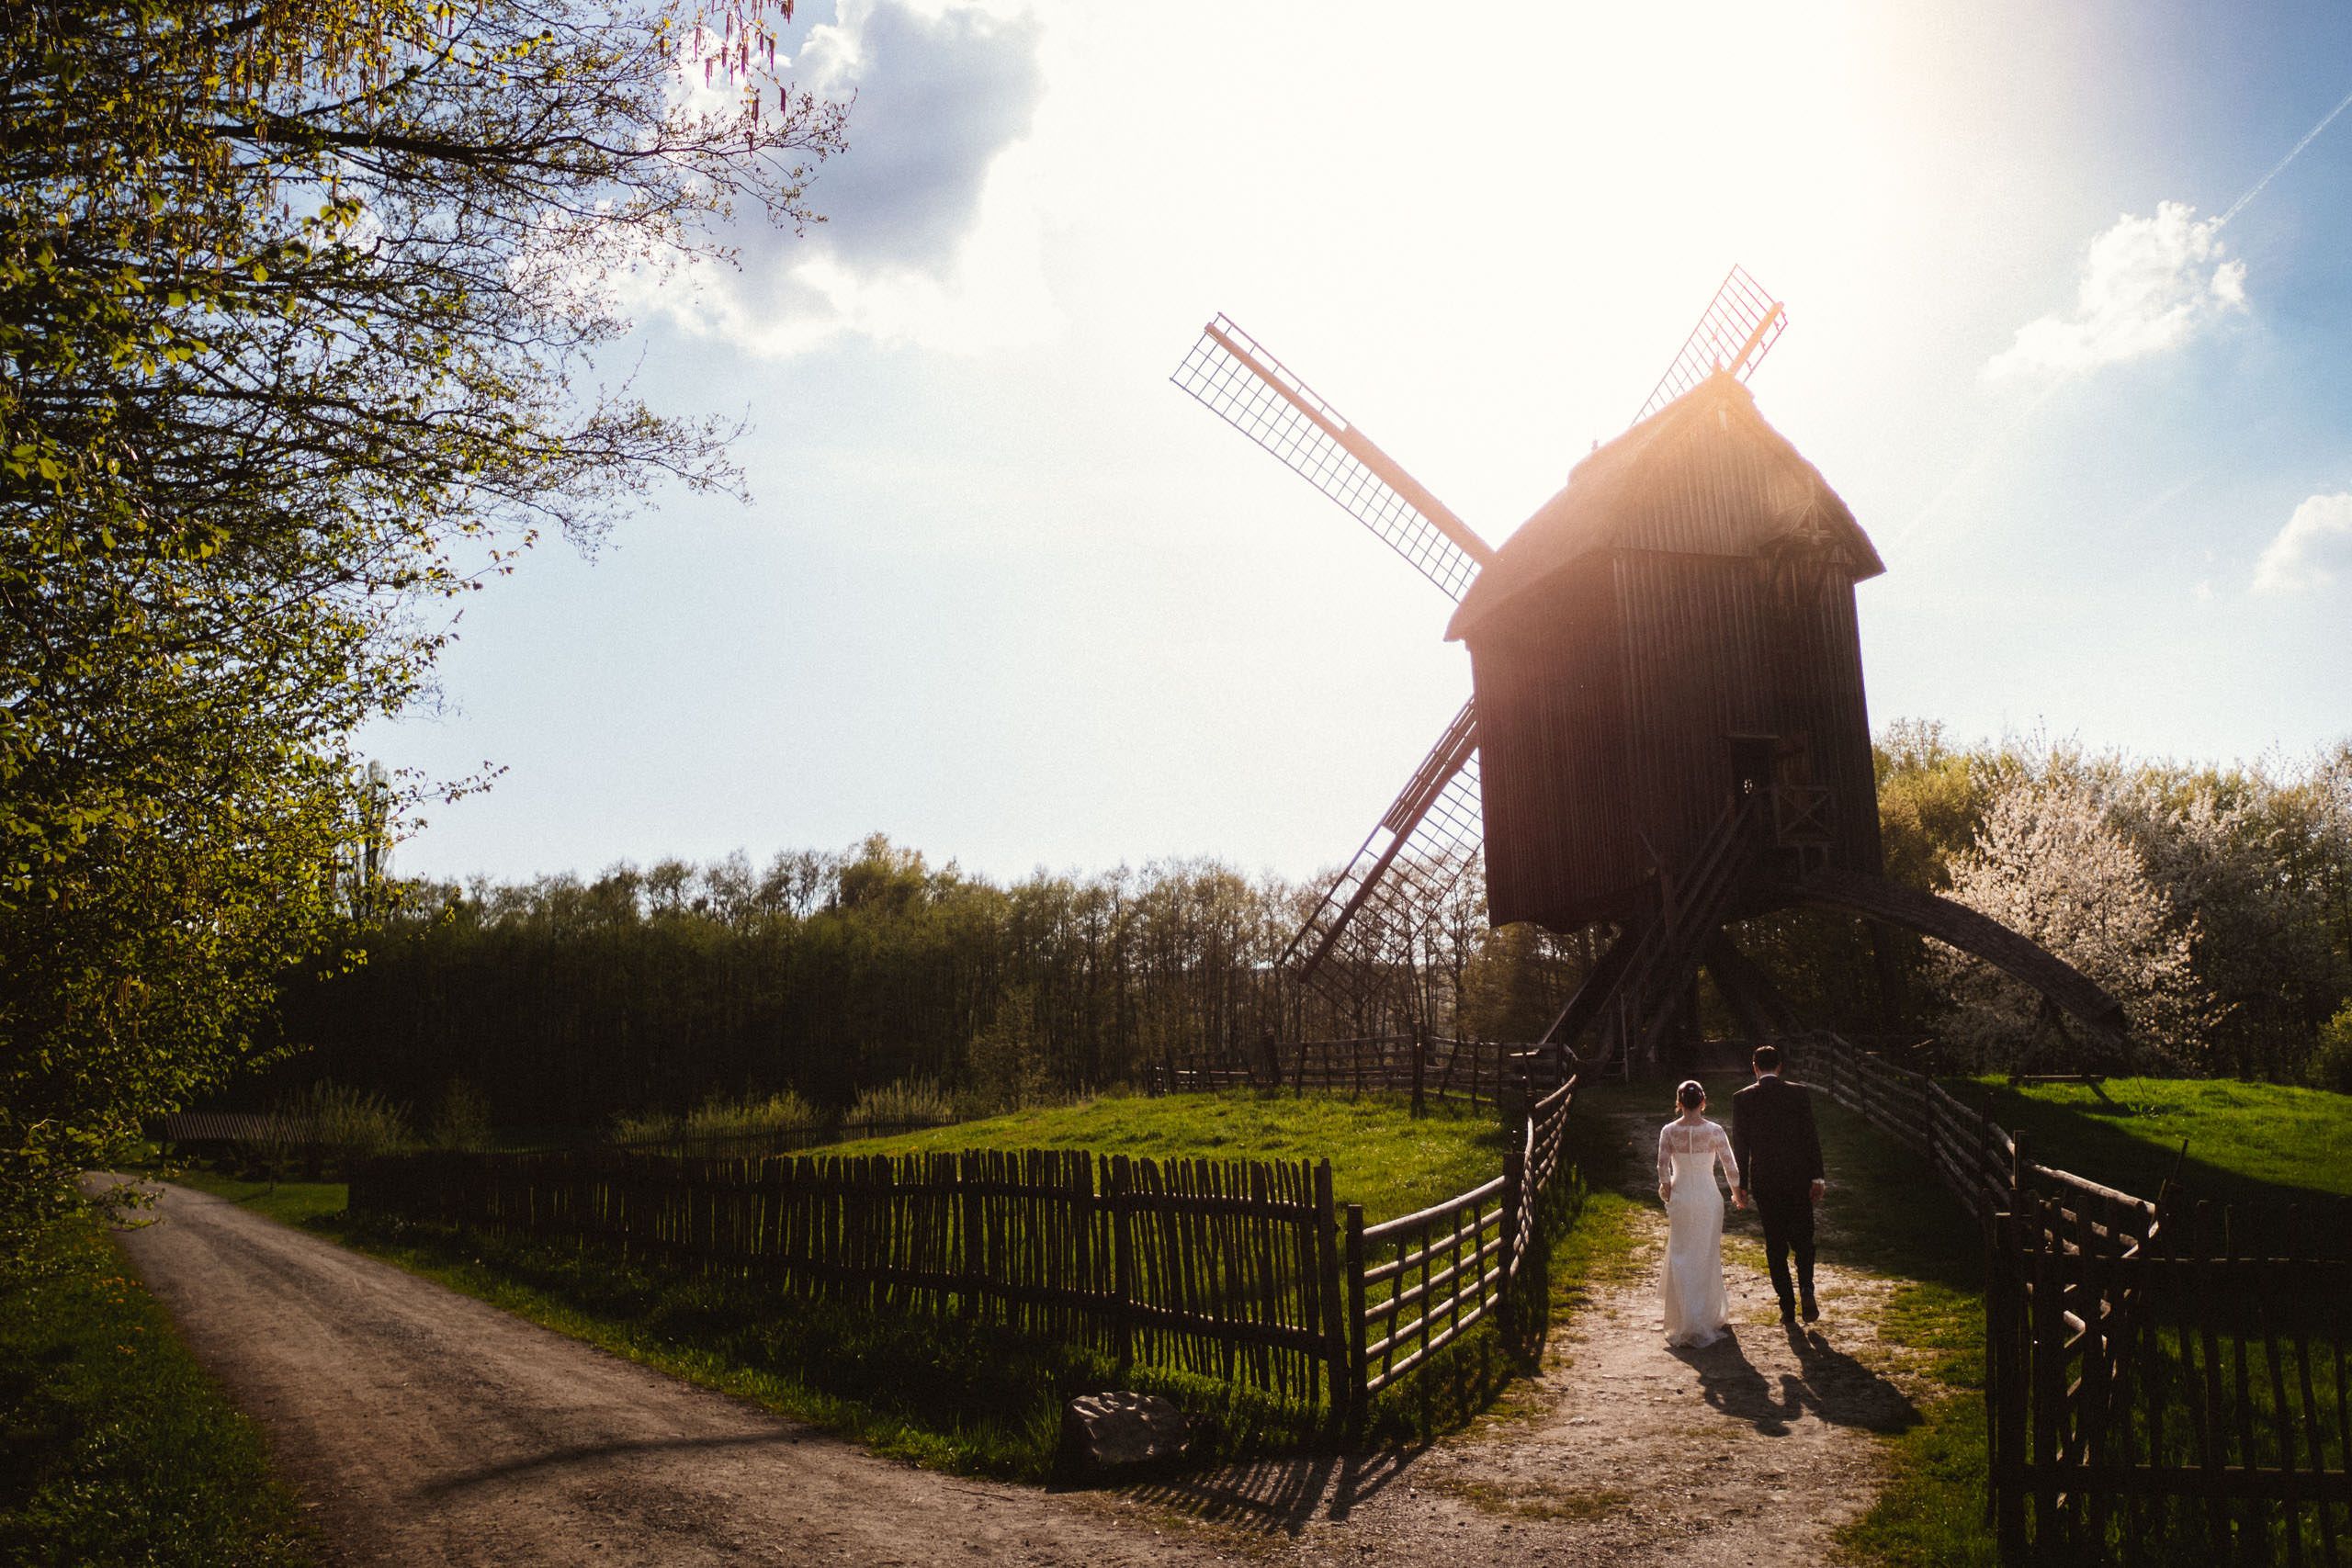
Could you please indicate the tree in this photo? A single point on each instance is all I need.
(298, 306)
(2048, 864)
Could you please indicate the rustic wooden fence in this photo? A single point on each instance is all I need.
(2165, 1381)
(1418, 1283)
(1233, 1269)
(1491, 1073)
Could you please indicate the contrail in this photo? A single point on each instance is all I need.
(2312, 135)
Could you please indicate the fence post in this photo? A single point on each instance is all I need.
(1420, 1057)
(1927, 1130)
(2007, 1369)
(1514, 1203)
(1359, 1396)
(1326, 1279)
(2017, 1172)
(1115, 1192)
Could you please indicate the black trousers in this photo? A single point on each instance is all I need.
(1787, 1214)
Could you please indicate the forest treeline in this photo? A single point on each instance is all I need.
(2215, 901)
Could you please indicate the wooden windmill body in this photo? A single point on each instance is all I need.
(1668, 731)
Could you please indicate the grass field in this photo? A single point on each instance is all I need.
(288, 1202)
(114, 1449)
(1381, 1156)
(2248, 1142)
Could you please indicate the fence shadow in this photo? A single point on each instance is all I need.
(1829, 1385)
(1281, 1494)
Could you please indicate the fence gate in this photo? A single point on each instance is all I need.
(2169, 1382)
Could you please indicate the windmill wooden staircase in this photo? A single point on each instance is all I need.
(1634, 989)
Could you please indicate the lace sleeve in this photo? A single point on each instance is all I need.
(1664, 1159)
(1729, 1160)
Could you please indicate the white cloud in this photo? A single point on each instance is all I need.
(2311, 549)
(2148, 285)
(932, 232)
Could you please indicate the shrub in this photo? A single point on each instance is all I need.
(333, 1124)
(463, 1121)
(2331, 1066)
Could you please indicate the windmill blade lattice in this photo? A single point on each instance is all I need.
(1250, 389)
(1398, 881)
(1736, 331)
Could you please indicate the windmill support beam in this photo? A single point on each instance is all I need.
(1762, 1009)
(2017, 957)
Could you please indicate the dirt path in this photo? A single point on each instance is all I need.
(1751, 1451)
(423, 1426)
(427, 1428)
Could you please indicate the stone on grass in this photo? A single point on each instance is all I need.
(1111, 1431)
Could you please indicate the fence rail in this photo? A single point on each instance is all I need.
(1242, 1271)
(1420, 1281)
(1490, 1073)
(2157, 1371)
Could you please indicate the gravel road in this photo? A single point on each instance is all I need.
(423, 1426)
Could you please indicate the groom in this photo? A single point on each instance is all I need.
(1779, 1155)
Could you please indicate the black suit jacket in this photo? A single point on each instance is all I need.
(1772, 1136)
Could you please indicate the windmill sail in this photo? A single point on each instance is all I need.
(1397, 881)
(1736, 331)
(1250, 389)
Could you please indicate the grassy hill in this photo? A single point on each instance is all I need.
(1381, 1157)
(2248, 1142)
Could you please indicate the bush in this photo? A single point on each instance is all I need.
(328, 1124)
(463, 1121)
(2330, 1065)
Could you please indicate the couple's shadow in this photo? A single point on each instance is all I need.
(1829, 1385)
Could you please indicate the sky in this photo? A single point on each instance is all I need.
(2070, 330)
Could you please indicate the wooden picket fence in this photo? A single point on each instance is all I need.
(2165, 1381)
(1233, 1269)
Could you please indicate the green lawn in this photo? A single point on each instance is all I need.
(288, 1202)
(115, 1448)
(2248, 1142)
(1381, 1157)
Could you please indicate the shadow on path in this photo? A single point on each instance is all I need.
(591, 1453)
(1829, 1385)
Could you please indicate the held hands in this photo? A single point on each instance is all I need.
(1739, 1197)
(1819, 1187)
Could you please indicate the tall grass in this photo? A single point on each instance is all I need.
(910, 1103)
(719, 1125)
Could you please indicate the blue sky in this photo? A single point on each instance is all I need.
(1007, 595)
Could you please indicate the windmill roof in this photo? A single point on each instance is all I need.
(1705, 475)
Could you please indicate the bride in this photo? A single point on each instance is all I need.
(1692, 1286)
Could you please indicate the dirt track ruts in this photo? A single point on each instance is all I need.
(423, 1426)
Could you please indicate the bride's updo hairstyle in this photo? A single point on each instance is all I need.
(1689, 1096)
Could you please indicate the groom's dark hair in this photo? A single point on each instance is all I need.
(1768, 1058)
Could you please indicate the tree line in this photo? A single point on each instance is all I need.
(2215, 902)
(296, 308)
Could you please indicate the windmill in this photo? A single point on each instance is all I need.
(1667, 733)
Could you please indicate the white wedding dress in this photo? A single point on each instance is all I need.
(1690, 1287)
